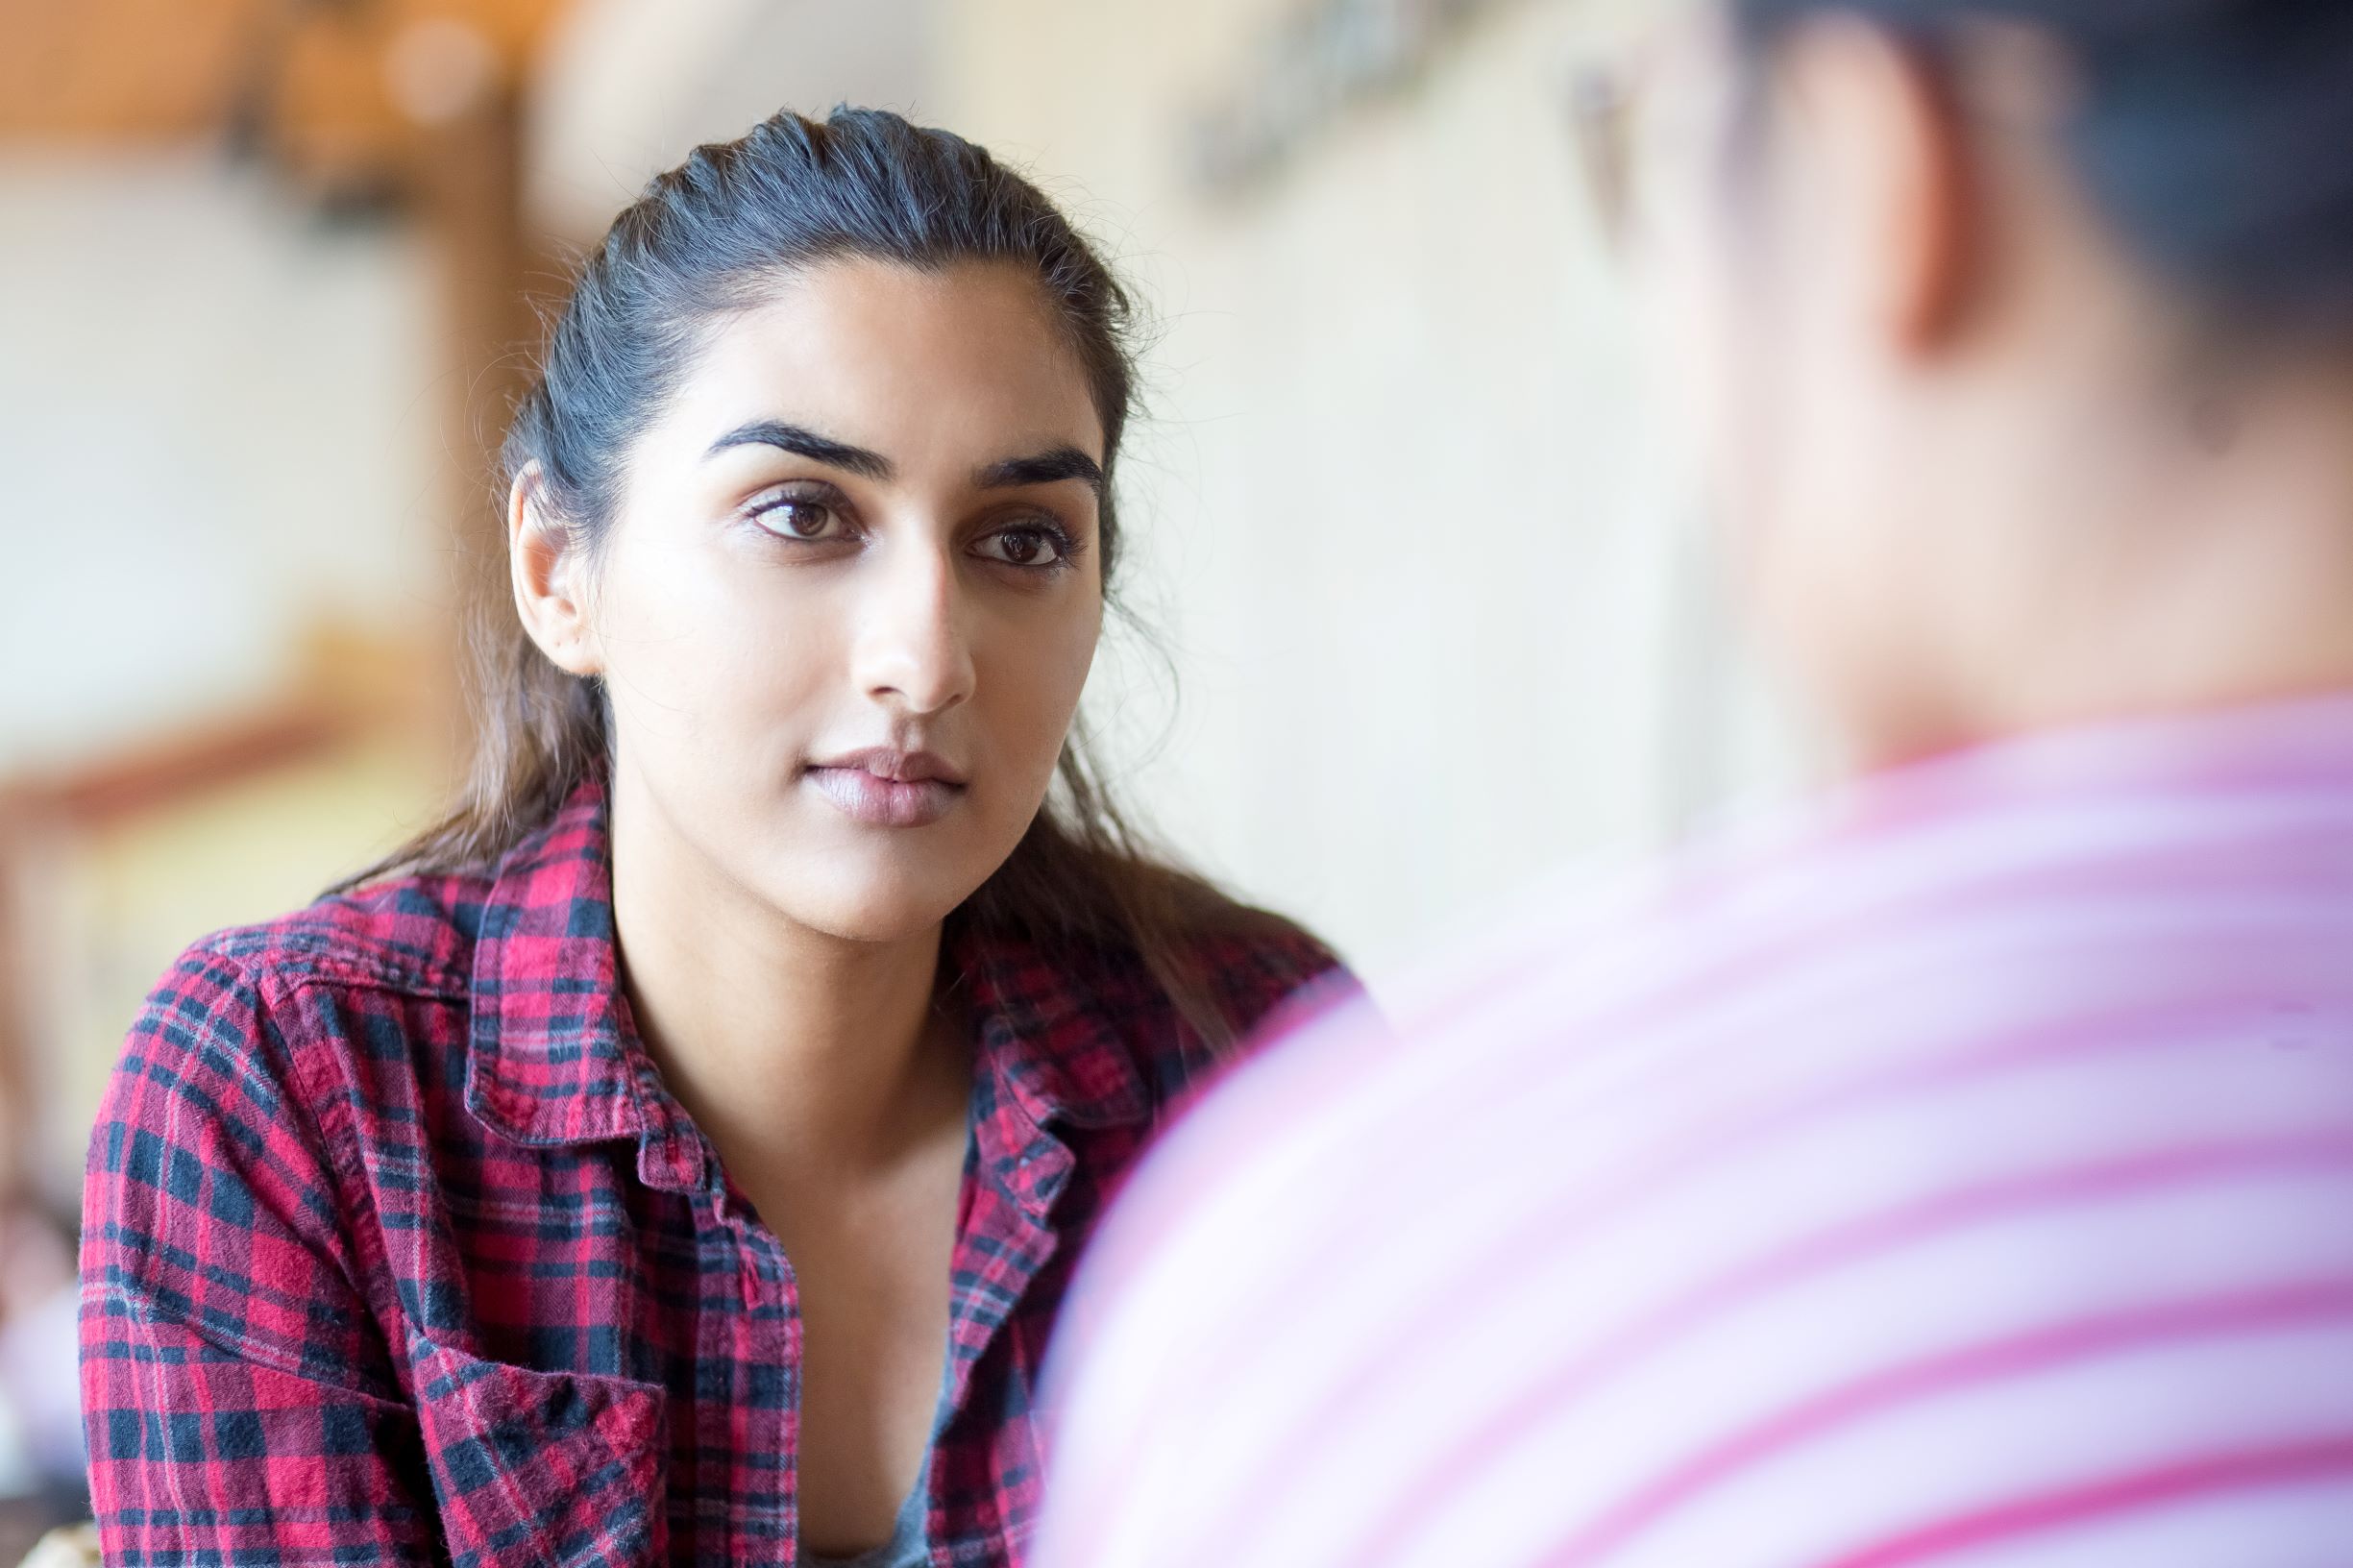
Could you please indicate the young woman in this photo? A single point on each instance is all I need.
(679, 1154)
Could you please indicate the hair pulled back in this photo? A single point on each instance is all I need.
(705, 240)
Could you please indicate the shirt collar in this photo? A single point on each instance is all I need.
(2288, 744)
(555, 1059)
(1055, 1032)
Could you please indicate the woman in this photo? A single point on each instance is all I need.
(679, 1154)
(1961, 1177)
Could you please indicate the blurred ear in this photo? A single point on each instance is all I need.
(550, 576)
(1881, 138)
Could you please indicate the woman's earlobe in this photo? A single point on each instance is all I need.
(1894, 157)
(545, 567)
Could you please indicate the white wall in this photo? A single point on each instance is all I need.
(628, 89)
(218, 424)
(1430, 575)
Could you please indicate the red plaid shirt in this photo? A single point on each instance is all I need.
(396, 1249)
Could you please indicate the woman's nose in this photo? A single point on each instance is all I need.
(912, 647)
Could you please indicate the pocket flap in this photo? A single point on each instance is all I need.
(549, 1468)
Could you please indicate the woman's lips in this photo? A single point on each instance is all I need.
(877, 801)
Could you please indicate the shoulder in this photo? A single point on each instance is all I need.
(1244, 979)
(413, 933)
(1134, 1027)
(223, 1167)
(229, 1021)
(1229, 978)
(1262, 968)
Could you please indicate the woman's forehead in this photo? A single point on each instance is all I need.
(901, 361)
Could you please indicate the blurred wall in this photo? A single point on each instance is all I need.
(221, 428)
(218, 427)
(625, 89)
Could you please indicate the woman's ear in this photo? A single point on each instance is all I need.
(550, 574)
(1889, 158)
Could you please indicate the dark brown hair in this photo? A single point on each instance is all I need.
(2212, 134)
(707, 238)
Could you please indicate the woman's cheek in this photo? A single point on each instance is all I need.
(713, 658)
(1030, 695)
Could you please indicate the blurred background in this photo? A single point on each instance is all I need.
(1420, 609)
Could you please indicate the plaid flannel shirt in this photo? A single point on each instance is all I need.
(396, 1248)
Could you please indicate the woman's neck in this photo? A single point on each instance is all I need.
(2129, 574)
(802, 1055)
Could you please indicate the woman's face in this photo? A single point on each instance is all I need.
(851, 591)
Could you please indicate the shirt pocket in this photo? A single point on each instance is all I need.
(552, 1469)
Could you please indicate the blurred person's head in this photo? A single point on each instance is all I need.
(2019, 332)
(810, 525)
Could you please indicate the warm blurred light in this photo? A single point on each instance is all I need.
(439, 69)
(330, 94)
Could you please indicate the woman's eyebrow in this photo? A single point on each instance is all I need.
(820, 449)
(1043, 468)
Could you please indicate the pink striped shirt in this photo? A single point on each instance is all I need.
(1965, 1178)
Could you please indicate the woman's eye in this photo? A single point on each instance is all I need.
(796, 519)
(1022, 546)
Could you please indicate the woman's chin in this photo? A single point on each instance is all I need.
(880, 909)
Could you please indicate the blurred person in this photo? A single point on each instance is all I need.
(679, 1153)
(1961, 1174)
(40, 1410)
